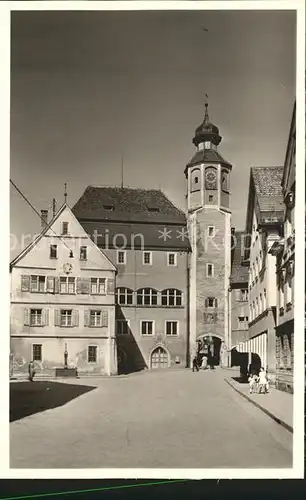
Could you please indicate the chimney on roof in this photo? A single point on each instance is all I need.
(44, 218)
(53, 207)
(233, 230)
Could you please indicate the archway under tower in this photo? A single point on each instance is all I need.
(210, 346)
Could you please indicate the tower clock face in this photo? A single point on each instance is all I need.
(211, 178)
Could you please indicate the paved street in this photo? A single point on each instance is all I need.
(152, 420)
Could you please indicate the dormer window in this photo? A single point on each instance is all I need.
(110, 208)
(65, 227)
(153, 208)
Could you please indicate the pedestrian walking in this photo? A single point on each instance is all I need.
(204, 363)
(263, 382)
(211, 362)
(31, 370)
(253, 379)
(195, 365)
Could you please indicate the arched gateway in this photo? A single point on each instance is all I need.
(211, 345)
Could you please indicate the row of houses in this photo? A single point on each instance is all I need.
(126, 281)
(270, 258)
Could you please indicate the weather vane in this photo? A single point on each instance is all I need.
(65, 192)
(206, 118)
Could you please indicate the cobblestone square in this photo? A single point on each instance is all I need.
(156, 419)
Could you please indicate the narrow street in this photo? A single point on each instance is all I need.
(168, 419)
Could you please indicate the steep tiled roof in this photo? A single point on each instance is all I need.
(127, 204)
(109, 234)
(207, 156)
(239, 272)
(268, 188)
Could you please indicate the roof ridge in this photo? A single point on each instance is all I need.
(267, 166)
(123, 188)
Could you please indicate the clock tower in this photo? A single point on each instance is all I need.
(209, 226)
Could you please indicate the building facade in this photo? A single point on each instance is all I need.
(145, 236)
(264, 227)
(63, 302)
(284, 251)
(239, 306)
(209, 227)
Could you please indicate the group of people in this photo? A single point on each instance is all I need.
(258, 382)
(202, 362)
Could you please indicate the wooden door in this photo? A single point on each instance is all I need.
(159, 358)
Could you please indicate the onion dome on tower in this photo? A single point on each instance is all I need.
(207, 131)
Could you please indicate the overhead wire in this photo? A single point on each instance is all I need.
(48, 225)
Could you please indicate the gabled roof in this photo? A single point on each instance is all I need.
(268, 188)
(207, 156)
(38, 237)
(48, 227)
(127, 204)
(265, 190)
(288, 158)
(239, 272)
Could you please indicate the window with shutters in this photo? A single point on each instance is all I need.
(37, 284)
(92, 354)
(122, 326)
(83, 253)
(36, 318)
(171, 297)
(37, 352)
(110, 286)
(53, 251)
(25, 283)
(66, 317)
(97, 286)
(171, 328)
(146, 297)
(83, 286)
(124, 296)
(50, 284)
(65, 227)
(95, 318)
(147, 327)
(67, 285)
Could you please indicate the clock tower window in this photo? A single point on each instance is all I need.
(195, 179)
(225, 181)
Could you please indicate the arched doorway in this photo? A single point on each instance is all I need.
(159, 358)
(210, 345)
(122, 362)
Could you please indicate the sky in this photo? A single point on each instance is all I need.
(89, 87)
